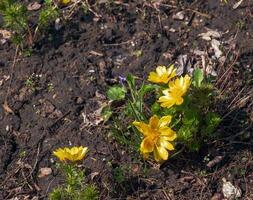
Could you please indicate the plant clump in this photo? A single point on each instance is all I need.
(180, 108)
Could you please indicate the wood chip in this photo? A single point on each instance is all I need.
(6, 108)
(96, 53)
(215, 161)
(93, 175)
(236, 5)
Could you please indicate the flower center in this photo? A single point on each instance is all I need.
(155, 136)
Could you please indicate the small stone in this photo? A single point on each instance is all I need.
(79, 100)
(3, 41)
(45, 171)
(5, 34)
(52, 160)
(91, 71)
(216, 46)
(217, 196)
(172, 30)
(58, 24)
(178, 16)
(210, 34)
(34, 6)
(230, 191)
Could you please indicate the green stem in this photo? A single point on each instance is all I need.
(134, 111)
(177, 153)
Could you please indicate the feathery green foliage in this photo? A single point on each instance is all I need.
(74, 188)
(15, 18)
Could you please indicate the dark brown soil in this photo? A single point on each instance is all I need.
(66, 77)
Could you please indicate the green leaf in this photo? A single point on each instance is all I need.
(132, 87)
(116, 93)
(155, 108)
(131, 81)
(106, 113)
(198, 77)
(146, 88)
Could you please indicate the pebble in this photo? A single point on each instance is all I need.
(33, 6)
(58, 25)
(179, 16)
(79, 100)
(230, 191)
(217, 196)
(45, 171)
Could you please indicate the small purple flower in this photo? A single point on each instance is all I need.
(122, 79)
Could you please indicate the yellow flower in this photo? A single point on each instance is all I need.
(71, 154)
(64, 2)
(162, 74)
(157, 137)
(174, 94)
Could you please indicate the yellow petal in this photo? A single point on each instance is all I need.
(161, 153)
(171, 84)
(83, 152)
(157, 157)
(74, 150)
(187, 83)
(160, 70)
(164, 78)
(142, 127)
(147, 145)
(164, 143)
(165, 120)
(65, 2)
(179, 100)
(69, 153)
(60, 154)
(166, 101)
(168, 133)
(153, 122)
(179, 82)
(165, 92)
(171, 70)
(153, 77)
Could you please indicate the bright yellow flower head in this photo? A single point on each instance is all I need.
(162, 74)
(157, 137)
(174, 94)
(71, 154)
(65, 2)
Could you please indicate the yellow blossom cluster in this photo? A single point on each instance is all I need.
(177, 88)
(157, 136)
